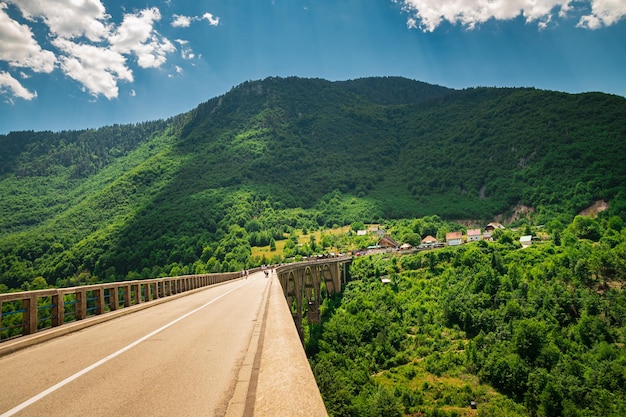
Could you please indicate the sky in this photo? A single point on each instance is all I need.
(79, 64)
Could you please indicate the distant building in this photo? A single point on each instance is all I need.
(387, 242)
(473, 235)
(487, 235)
(526, 241)
(380, 232)
(454, 238)
(492, 226)
(429, 240)
(361, 232)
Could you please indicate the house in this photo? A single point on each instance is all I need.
(387, 242)
(406, 246)
(492, 226)
(473, 235)
(526, 241)
(487, 235)
(454, 238)
(379, 232)
(429, 240)
(361, 232)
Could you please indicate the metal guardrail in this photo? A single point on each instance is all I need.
(28, 312)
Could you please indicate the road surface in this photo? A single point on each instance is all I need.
(183, 357)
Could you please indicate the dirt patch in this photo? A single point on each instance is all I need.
(597, 207)
(519, 211)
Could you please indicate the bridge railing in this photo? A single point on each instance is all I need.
(28, 312)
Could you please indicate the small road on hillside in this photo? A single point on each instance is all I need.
(179, 358)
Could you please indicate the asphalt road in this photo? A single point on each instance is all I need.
(180, 358)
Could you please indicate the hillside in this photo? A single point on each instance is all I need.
(191, 193)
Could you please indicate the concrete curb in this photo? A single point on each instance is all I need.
(286, 385)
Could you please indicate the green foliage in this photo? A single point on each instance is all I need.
(545, 326)
(287, 153)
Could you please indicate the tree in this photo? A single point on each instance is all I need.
(586, 228)
(529, 338)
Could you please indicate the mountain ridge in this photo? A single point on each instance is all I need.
(289, 152)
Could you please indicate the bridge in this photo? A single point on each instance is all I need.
(213, 344)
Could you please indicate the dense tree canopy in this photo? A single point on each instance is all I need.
(545, 326)
(285, 153)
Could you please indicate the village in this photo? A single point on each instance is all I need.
(386, 243)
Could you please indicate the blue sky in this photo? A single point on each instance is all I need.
(74, 64)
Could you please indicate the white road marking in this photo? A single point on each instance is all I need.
(78, 374)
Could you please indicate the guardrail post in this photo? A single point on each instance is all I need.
(114, 294)
(137, 288)
(29, 305)
(58, 309)
(126, 295)
(81, 304)
(100, 304)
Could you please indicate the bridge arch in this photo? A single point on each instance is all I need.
(302, 285)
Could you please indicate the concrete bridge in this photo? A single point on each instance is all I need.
(306, 283)
(218, 343)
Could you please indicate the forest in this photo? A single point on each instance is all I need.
(538, 331)
(194, 193)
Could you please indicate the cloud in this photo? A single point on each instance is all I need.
(429, 14)
(11, 86)
(68, 18)
(90, 49)
(19, 47)
(181, 21)
(97, 69)
(213, 20)
(136, 35)
(603, 13)
(185, 50)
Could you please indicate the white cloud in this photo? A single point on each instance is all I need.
(132, 93)
(181, 21)
(89, 48)
(68, 18)
(11, 86)
(19, 47)
(429, 14)
(213, 20)
(185, 50)
(603, 13)
(137, 35)
(97, 69)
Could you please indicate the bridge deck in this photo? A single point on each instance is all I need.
(227, 350)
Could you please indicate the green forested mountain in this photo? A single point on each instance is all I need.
(192, 193)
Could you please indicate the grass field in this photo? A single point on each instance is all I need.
(264, 251)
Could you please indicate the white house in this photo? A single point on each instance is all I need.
(526, 241)
(473, 235)
(454, 238)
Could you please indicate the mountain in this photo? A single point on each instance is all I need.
(191, 193)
